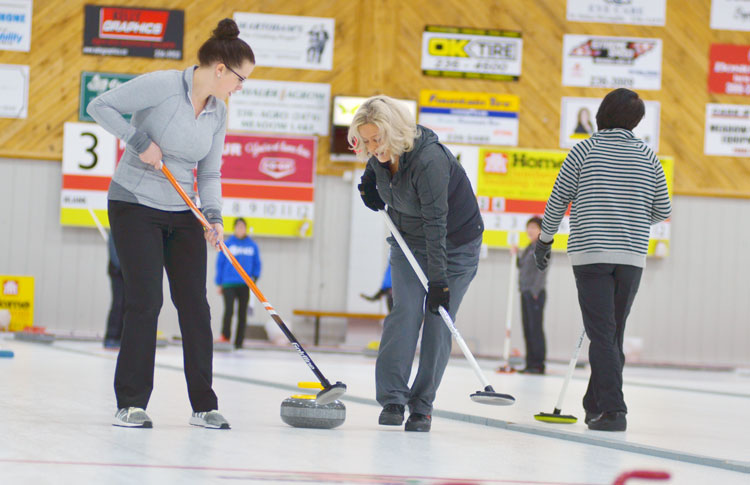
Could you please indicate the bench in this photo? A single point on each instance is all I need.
(325, 314)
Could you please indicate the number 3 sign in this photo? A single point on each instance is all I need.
(88, 149)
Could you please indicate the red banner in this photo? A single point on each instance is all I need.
(729, 69)
(280, 160)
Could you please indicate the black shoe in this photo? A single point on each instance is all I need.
(609, 421)
(590, 416)
(533, 370)
(392, 415)
(418, 422)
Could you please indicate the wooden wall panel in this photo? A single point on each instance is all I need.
(377, 50)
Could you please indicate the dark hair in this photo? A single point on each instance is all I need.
(225, 46)
(237, 221)
(535, 220)
(622, 108)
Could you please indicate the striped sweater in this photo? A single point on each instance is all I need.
(618, 190)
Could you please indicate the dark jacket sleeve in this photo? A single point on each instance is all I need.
(431, 178)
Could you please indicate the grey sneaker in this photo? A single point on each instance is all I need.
(209, 419)
(132, 418)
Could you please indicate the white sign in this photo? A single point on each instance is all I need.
(636, 12)
(14, 91)
(15, 25)
(281, 107)
(727, 130)
(730, 14)
(611, 62)
(471, 53)
(578, 122)
(288, 41)
(88, 149)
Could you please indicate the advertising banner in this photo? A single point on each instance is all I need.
(133, 32)
(14, 91)
(513, 184)
(270, 182)
(635, 12)
(15, 25)
(729, 69)
(471, 118)
(730, 15)
(288, 41)
(281, 107)
(17, 297)
(471, 53)
(95, 83)
(727, 130)
(611, 62)
(578, 122)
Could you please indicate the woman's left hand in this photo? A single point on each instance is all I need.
(215, 235)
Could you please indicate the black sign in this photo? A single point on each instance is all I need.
(133, 32)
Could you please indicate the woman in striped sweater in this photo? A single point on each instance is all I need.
(617, 189)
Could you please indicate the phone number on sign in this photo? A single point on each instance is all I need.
(268, 209)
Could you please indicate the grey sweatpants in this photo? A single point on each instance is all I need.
(401, 328)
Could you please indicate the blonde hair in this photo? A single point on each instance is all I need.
(395, 124)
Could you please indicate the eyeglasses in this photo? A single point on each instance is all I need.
(242, 79)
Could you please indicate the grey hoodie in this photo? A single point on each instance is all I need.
(163, 113)
(429, 199)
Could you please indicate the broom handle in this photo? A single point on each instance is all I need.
(509, 307)
(269, 308)
(569, 375)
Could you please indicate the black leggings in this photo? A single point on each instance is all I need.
(232, 293)
(149, 241)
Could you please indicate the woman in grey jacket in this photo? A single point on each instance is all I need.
(178, 118)
(431, 202)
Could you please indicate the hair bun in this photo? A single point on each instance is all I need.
(226, 30)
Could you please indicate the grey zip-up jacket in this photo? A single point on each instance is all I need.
(163, 113)
(429, 199)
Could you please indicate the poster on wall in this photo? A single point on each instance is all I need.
(578, 121)
(15, 25)
(471, 118)
(133, 32)
(471, 53)
(730, 15)
(270, 182)
(513, 184)
(727, 130)
(14, 91)
(89, 157)
(729, 69)
(17, 298)
(288, 41)
(344, 108)
(281, 107)
(634, 12)
(611, 62)
(95, 83)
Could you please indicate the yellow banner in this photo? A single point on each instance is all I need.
(466, 100)
(17, 297)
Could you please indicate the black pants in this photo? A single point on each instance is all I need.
(117, 309)
(232, 293)
(606, 293)
(532, 316)
(149, 241)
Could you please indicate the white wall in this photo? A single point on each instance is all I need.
(691, 308)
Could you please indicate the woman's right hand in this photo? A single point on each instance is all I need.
(152, 156)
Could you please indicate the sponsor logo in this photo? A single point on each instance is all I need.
(496, 162)
(612, 51)
(479, 49)
(133, 24)
(277, 168)
(10, 287)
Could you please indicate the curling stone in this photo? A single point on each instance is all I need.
(5, 353)
(371, 350)
(301, 410)
(34, 334)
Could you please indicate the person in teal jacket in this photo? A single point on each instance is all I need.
(231, 284)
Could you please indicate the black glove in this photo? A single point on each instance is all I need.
(438, 295)
(370, 197)
(542, 253)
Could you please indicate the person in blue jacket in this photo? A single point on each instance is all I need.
(231, 284)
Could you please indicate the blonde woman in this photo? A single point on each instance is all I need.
(431, 202)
